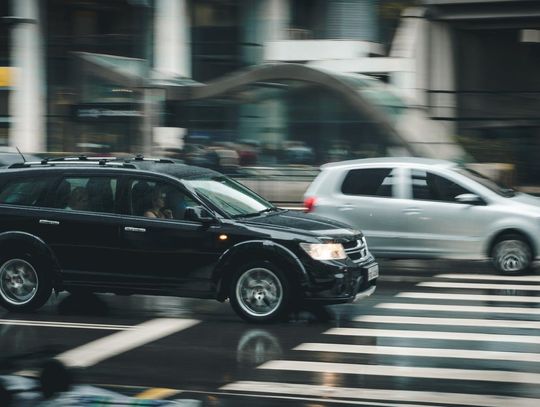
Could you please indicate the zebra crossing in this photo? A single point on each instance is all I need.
(455, 340)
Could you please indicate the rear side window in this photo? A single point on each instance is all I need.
(93, 194)
(370, 182)
(27, 192)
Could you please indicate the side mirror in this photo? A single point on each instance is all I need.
(470, 199)
(198, 214)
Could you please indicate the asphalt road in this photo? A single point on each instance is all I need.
(435, 333)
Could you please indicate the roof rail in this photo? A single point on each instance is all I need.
(83, 159)
(140, 157)
(80, 158)
(53, 163)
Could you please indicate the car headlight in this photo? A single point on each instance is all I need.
(324, 251)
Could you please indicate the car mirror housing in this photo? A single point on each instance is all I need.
(198, 214)
(471, 199)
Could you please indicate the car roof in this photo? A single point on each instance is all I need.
(394, 161)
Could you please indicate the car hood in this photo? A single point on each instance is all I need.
(531, 201)
(306, 223)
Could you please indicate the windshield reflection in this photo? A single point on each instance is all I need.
(492, 185)
(230, 197)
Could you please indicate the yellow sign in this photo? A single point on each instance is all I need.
(6, 77)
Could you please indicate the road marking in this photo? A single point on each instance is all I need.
(421, 352)
(477, 286)
(458, 308)
(404, 371)
(492, 323)
(495, 277)
(55, 324)
(443, 335)
(409, 396)
(112, 345)
(157, 393)
(469, 297)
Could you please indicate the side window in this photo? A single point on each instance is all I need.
(27, 192)
(432, 187)
(93, 194)
(370, 182)
(153, 199)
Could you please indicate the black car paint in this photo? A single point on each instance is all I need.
(94, 251)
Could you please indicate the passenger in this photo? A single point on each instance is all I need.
(158, 206)
(78, 199)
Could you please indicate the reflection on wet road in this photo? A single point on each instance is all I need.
(436, 333)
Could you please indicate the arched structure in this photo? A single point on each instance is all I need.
(404, 126)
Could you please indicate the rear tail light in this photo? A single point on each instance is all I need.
(309, 203)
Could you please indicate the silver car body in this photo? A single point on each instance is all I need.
(399, 226)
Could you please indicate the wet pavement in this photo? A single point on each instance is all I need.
(435, 333)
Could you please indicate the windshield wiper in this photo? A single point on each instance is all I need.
(259, 213)
(271, 209)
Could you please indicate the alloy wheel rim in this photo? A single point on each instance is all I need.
(18, 282)
(259, 292)
(512, 256)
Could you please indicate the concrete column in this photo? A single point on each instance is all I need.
(263, 21)
(276, 14)
(172, 48)
(441, 74)
(27, 102)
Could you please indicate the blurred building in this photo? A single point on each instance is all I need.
(141, 75)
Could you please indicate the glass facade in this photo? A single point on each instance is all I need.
(116, 27)
(5, 72)
(215, 38)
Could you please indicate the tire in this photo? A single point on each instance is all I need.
(511, 254)
(24, 283)
(260, 292)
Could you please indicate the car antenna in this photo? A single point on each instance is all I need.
(19, 151)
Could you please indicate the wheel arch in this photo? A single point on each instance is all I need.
(253, 250)
(16, 240)
(511, 231)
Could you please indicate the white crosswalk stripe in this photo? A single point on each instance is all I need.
(492, 323)
(459, 308)
(421, 352)
(399, 343)
(469, 297)
(477, 286)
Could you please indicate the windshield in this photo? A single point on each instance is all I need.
(494, 186)
(230, 197)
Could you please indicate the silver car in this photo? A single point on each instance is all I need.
(422, 208)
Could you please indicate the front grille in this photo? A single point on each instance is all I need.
(357, 250)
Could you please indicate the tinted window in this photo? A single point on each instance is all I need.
(94, 194)
(370, 181)
(158, 200)
(432, 187)
(24, 191)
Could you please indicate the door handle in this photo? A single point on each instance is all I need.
(411, 211)
(48, 222)
(346, 207)
(131, 229)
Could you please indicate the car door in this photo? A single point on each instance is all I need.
(439, 225)
(164, 251)
(371, 200)
(81, 226)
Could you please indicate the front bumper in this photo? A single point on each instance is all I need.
(335, 283)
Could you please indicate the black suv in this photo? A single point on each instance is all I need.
(153, 226)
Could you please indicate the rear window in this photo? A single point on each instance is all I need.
(27, 192)
(370, 182)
